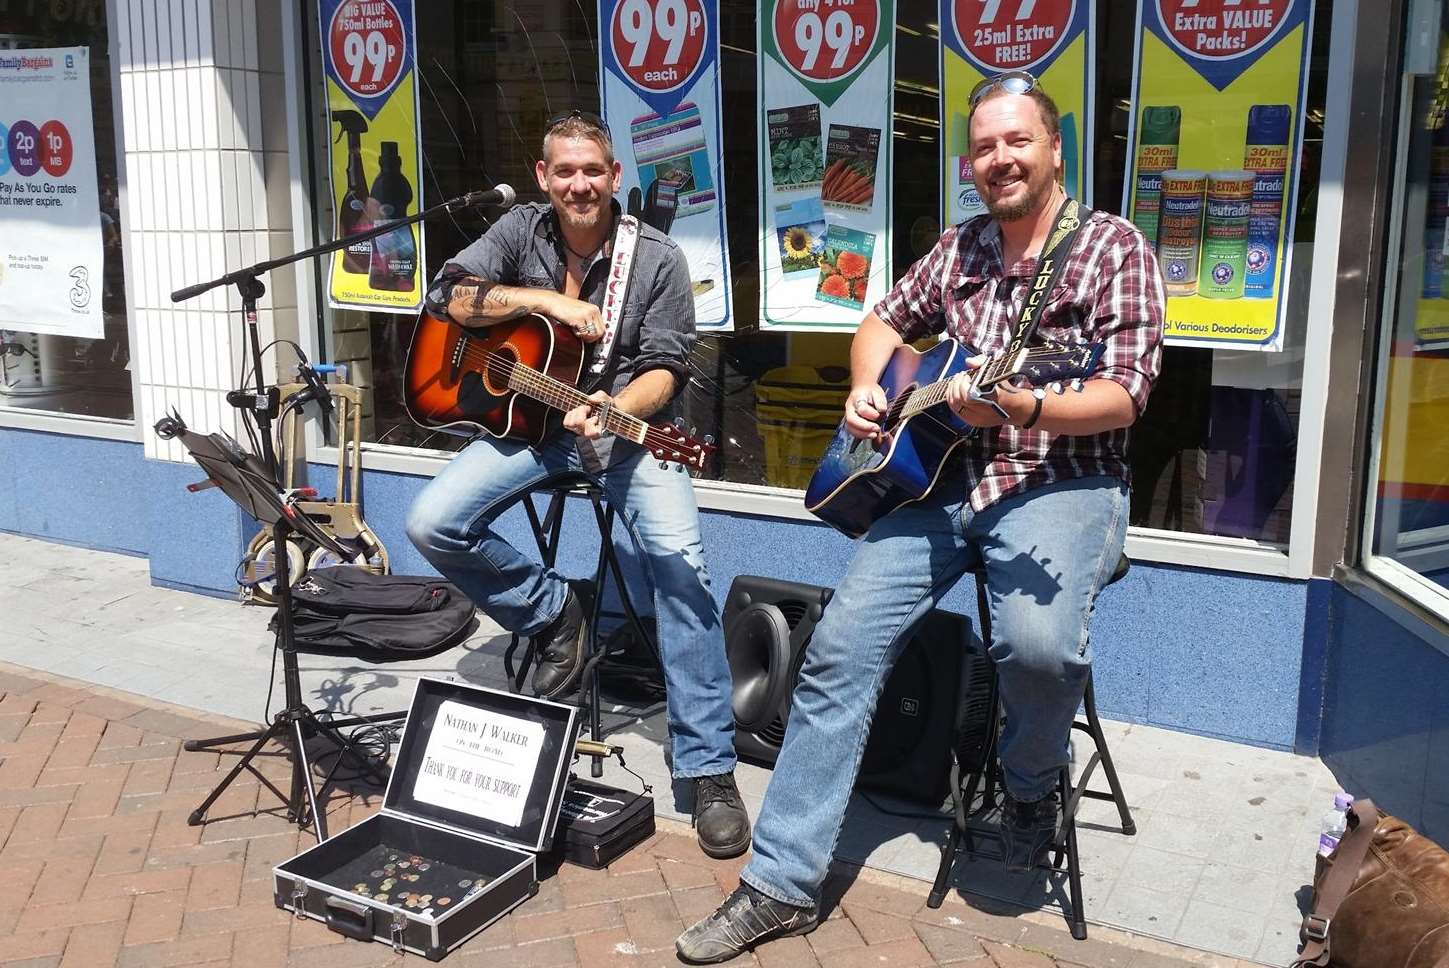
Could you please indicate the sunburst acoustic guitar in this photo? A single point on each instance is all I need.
(516, 379)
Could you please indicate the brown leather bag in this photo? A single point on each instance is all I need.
(1380, 900)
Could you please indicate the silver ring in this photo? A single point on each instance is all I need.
(861, 401)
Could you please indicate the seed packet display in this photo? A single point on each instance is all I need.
(796, 161)
(800, 229)
(671, 149)
(850, 164)
(845, 267)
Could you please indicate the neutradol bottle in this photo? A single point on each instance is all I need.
(1225, 234)
(1266, 155)
(1156, 153)
(1179, 236)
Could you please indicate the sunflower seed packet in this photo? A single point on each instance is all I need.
(800, 228)
(845, 267)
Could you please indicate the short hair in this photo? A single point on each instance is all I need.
(578, 126)
(1051, 117)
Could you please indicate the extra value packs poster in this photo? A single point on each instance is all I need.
(376, 156)
(825, 77)
(1216, 134)
(1052, 39)
(659, 89)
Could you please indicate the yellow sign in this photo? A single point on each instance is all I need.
(375, 160)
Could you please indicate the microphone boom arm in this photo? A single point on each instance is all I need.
(240, 276)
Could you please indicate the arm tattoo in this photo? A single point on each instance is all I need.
(477, 302)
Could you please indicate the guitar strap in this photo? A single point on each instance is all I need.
(616, 288)
(1048, 270)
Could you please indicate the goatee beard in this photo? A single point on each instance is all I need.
(1029, 204)
(575, 220)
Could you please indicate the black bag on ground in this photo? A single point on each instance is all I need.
(598, 823)
(349, 611)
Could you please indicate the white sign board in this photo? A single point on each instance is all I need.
(51, 259)
(479, 763)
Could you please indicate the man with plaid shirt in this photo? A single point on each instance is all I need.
(1039, 497)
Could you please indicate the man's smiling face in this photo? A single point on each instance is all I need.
(1014, 157)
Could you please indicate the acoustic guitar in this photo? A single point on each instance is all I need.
(859, 481)
(516, 379)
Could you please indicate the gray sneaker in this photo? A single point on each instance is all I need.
(746, 918)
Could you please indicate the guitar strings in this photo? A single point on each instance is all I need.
(563, 397)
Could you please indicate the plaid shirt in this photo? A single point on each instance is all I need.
(1109, 290)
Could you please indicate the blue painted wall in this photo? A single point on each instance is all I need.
(1209, 652)
(105, 494)
(1386, 714)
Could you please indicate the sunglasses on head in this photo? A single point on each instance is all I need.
(1012, 82)
(588, 117)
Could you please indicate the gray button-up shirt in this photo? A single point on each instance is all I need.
(656, 329)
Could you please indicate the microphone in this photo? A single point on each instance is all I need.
(501, 195)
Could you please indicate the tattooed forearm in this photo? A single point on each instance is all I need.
(478, 302)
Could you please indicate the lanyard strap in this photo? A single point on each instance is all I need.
(616, 288)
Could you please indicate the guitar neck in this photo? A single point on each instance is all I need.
(554, 393)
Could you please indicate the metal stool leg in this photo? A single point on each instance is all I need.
(1129, 826)
(1076, 917)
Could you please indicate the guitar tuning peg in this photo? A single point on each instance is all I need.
(691, 431)
(1059, 388)
(679, 422)
(679, 468)
(708, 439)
(1077, 385)
(664, 465)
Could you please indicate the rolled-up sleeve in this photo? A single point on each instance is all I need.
(666, 333)
(492, 256)
(1129, 318)
(913, 306)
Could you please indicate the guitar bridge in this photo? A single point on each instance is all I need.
(455, 359)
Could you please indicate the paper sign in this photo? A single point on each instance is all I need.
(480, 763)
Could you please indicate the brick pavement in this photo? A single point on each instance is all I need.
(99, 867)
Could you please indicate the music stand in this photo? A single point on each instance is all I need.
(247, 481)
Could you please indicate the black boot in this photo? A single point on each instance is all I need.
(559, 648)
(720, 820)
(746, 918)
(1028, 828)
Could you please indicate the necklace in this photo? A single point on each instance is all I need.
(582, 256)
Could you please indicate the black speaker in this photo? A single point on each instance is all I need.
(768, 623)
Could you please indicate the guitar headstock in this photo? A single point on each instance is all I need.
(670, 444)
(1046, 363)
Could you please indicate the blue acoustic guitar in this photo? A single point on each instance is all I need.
(859, 481)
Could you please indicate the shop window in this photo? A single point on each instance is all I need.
(67, 374)
(1407, 527)
(1214, 453)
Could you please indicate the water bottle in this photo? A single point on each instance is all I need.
(1335, 822)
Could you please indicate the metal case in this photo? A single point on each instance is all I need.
(429, 821)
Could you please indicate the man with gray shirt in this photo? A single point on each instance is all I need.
(555, 260)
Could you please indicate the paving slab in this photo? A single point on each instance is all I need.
(1221, 826)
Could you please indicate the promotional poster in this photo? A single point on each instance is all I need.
(376, 157)
(1215, 140)
(825, 79)
(659, 90)
(1053, 40)
(51, 254)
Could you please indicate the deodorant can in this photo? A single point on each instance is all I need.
(1069, 154)
(1179, 234)
(1266, 155)
(1156, 152)
(1225, 234)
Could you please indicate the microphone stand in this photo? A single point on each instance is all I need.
(293, 725)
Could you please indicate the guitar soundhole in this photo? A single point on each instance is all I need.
(498, 369)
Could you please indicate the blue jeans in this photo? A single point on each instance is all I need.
(451, 523)
(1047, 552)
